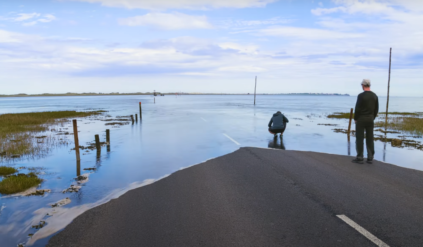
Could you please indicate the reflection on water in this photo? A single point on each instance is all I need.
(277, 143)
(175, 132)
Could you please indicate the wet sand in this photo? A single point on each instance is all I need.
(261, 197)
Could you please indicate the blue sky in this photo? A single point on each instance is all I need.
(55, 46)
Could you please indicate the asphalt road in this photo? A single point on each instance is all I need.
(261, 197)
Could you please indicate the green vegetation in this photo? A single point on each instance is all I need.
(6, 170)
(340, 115)
(17, 130)
(412, 125)
(346, 115)
(401, 113)
(18, 183)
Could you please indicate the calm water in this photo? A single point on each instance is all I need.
(175, 132)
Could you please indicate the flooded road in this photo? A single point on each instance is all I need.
(175, 132)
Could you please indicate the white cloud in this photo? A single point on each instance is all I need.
(30, 19)
(168, 21)
(307, 33)
(24, 17)
(180, 4)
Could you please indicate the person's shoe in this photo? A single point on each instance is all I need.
(369, 161)
(358, 161)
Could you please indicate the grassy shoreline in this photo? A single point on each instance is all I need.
(18, 131)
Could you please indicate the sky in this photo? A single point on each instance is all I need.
(210, 46)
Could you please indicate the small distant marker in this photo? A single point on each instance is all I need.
(363, 231)
(232, 139)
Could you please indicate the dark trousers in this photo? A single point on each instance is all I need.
(275, 131)
(364, 124)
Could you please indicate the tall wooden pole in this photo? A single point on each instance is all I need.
(255, 87)
(75, 136)
(389, 83)
(349, 125)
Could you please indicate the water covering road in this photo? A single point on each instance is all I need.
(175, 132)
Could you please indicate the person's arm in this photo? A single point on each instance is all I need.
(376, 107)
(285, 119)
(270, 123)
(357, 108)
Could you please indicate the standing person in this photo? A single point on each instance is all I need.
(277, 124)
(366, 110)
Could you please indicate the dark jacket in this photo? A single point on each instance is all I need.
(367, 105)
(278, 121)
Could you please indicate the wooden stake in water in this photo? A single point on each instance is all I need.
(140, 112)
(389, 83)
(136, 117)
(97, 142)
(132, 118)
(75, 136)
(255, 87)
(349, 125)
(108, 139)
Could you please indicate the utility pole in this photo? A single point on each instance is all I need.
(389, 82)
(255, 92)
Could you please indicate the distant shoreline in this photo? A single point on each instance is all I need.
(158, 94)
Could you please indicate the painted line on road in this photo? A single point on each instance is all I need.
(363, 231)
(232, 139)
(203, 119)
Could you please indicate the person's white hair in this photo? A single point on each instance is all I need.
(366, 82)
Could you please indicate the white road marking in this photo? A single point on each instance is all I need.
(203, 119)
(232, 139)
(363, 231)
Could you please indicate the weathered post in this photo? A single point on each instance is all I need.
(255, 87)
(75, 136)
(97, 142)
(108, 139)
(136, 117)
(389, 82)
(132, 118)
(349, 125)
(140, 112)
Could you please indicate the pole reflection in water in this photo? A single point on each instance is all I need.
(275, 144)
(349, 147)
(108, 139)
(78, 168)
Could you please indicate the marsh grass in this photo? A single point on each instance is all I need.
(18, 183)
(346, 115)
(18, 132)
(7, 170)
(340, 115)
(411, 125)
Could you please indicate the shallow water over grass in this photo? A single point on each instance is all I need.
(175, 132)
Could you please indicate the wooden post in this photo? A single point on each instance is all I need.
(132, 118)
(389, 82)
(97, 142)
(255, 87)
(136, 117)
(108, 139)
(140, 112)
(75, 136)
(349, 125)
